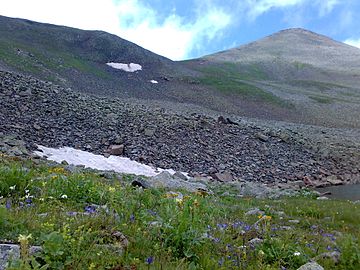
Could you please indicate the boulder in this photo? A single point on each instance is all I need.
(223, 177)
(168, 181)
(333, 180)
(8, 252)
(116, 149)
(311, 266)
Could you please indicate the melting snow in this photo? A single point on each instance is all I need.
(112, 163)
(126, 67)
(153, 81)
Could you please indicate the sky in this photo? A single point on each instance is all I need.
(184, 29)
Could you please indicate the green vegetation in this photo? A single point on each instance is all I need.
(322, 99)
(44, 60)
(321, 86)
(80, 220)
(232, 79)
(300, 66)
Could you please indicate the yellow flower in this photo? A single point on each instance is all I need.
(196, 203)
(24, 238)
(112, 189)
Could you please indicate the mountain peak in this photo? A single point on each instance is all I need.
(295, 45)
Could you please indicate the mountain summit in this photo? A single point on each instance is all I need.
(296, 45)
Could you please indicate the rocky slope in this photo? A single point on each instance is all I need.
(39, 112)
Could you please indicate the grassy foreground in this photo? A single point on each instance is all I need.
(86, 221)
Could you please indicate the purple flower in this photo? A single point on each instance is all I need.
(328, 247)
(8, 204)
(221, 261)
(216, 240)
(222, 226)
(90, 209)
(151, 212)
(149, 260)
(247, 228)
(132, 218)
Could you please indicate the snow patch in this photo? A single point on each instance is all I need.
(126, 67)
(153, 81)
(99, 162)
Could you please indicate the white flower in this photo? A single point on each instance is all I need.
(64, 196)
(297, 253)
(13, 187)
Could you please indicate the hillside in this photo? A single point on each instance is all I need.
(317, 76)
(314, 82)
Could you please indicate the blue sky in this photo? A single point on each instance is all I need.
(183, 29)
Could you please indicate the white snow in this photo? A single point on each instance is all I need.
(153, 81)
(112, 163)
(126, 67)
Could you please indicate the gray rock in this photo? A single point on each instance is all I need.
(322, 198)
(294, 221)
(180, 175)
(150, 132)
(334, 255)
(254, 211)
(262, 137)
(311, 266)
(334, 180)
(255, 242)
(223, 177)
(166, 180)
(8, 252)
(116, 149)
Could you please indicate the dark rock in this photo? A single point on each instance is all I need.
(140, 183)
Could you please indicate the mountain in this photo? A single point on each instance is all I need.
(294, 75)
(315, 74)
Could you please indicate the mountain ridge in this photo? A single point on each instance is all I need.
(271, 84)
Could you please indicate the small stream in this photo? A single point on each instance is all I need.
(344, 192)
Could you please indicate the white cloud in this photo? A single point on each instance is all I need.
(171, 37)
(353, 42)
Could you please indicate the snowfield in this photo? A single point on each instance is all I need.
(126, 67)
(112, 163)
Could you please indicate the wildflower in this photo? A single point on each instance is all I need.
(221, 261)
(196, 203)
(112, 189)
(24, 245)
(90, 209)
(149, 260)
(297, 253)
(8, 204)
(261, 253)
(64, 196)
(12, 187)
(132, 217)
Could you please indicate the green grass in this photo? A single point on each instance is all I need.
(321, 86)
(45, 59)
(322, 99)
(232, 79)
(164, 232)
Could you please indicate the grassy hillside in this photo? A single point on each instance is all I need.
(91, 220)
